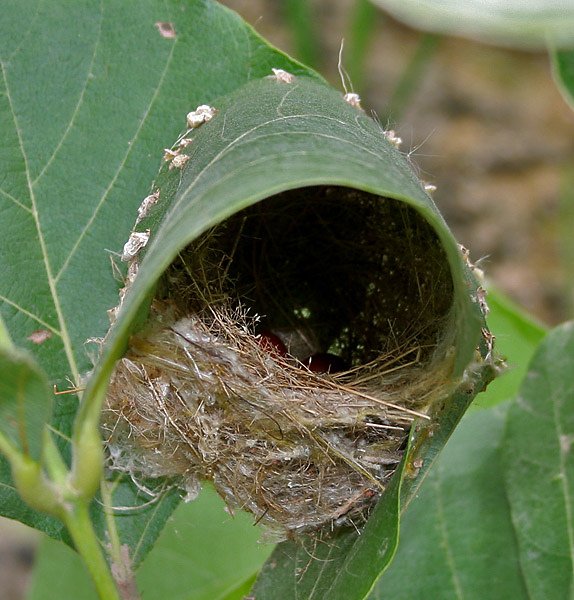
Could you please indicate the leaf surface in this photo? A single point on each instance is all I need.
(181, 565)
(539, 467)
(517, 337)
(563, 69)
(24, 401)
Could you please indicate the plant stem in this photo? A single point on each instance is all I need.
(77, 519)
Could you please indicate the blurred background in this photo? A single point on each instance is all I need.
(484, 123)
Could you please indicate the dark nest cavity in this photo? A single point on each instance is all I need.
(223, 383)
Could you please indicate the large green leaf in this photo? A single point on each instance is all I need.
(91, 93)
(539, 468)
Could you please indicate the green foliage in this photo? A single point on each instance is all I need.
(85, 111)
(203, 553)
(458, 530)
(563, 63)
(25, 407)
(539, 468)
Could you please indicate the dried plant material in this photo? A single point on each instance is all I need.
(353, 99)
(135, 243)
(202, 114)
(179, 161)
(166, 30)
(218, 386)
(40, 336)
(393, 138)
(147, 204)
(282, 76)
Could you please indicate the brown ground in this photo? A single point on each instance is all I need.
(489, 128)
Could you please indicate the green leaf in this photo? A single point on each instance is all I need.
(457, 539)
(5, 341)
(517, 337)
(212, 553)
(25, 401)
(539, 467)
(563, 70)
(59, 573)
(198, 532)
(85, 111)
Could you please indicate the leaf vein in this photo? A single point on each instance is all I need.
(77, 107)
(30, 315)
(51, 282)
(110, 186)
(15, 200)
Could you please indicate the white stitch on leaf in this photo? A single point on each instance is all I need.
(137, 241)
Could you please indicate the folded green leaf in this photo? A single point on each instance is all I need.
(270, 137)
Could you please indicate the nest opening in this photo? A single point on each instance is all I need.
(288, 352)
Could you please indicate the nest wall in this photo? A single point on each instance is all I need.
(223, 384)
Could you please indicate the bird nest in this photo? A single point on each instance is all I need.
(288, 352)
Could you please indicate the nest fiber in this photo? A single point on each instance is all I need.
(287, 353)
